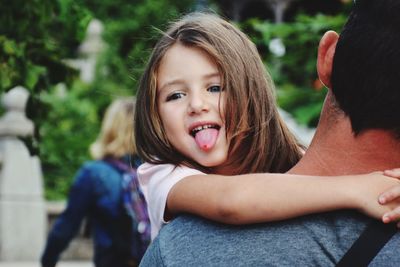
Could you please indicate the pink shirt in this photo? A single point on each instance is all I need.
(156, 181)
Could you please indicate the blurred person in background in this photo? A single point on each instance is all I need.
(105, 192)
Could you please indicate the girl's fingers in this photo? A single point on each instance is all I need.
(395, 173)
(389, 195)
(392, 216)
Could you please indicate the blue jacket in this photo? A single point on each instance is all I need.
(96, 194)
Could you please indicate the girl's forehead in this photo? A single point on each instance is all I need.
(185, 64)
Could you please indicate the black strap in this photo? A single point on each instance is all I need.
(368, 245)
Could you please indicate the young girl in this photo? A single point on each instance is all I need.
(205, 105)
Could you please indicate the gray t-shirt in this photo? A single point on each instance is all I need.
(315, 240)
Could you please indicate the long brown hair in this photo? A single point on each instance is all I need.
(259, 139)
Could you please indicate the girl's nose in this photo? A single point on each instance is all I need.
(197, 104)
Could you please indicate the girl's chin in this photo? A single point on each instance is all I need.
(217, 168)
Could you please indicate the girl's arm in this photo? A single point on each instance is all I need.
(253, 198)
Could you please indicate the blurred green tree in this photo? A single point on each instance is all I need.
(289, 51)
(34, 37)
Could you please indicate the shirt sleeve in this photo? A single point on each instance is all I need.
(156, 181)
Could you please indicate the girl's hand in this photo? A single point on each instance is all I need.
(370, 187)
(392, 196)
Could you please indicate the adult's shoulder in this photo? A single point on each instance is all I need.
(190, 240)
(174, 245)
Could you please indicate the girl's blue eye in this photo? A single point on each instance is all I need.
(174, 96)
(214, 89)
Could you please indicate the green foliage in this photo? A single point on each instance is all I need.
(298, 88)
(69, 129)
(34, 37)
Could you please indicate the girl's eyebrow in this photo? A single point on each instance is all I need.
(181, 81)
(212, 75)
(169, 83)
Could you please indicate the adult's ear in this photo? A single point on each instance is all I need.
(326, 51)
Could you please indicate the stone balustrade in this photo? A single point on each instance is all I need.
(22, 207)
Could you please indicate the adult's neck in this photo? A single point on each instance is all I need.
(335, 150)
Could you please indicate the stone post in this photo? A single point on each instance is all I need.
(22, 207)
(279, 7)
(91, 47)
(89, 50)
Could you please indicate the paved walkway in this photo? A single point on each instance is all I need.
(36, 264)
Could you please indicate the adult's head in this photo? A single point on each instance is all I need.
(257, 137)
(116, 135)
(366, 66)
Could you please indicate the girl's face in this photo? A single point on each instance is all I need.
(189, 97)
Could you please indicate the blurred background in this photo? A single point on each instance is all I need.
(75, 56)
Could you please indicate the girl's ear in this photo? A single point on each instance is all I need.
(326, 51)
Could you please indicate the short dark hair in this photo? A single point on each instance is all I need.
(366, 66)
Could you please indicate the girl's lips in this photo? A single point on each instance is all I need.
(199, 126)
(204, 127)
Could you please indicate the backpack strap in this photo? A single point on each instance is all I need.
(368, 245)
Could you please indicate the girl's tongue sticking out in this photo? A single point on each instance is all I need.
(206, 138)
